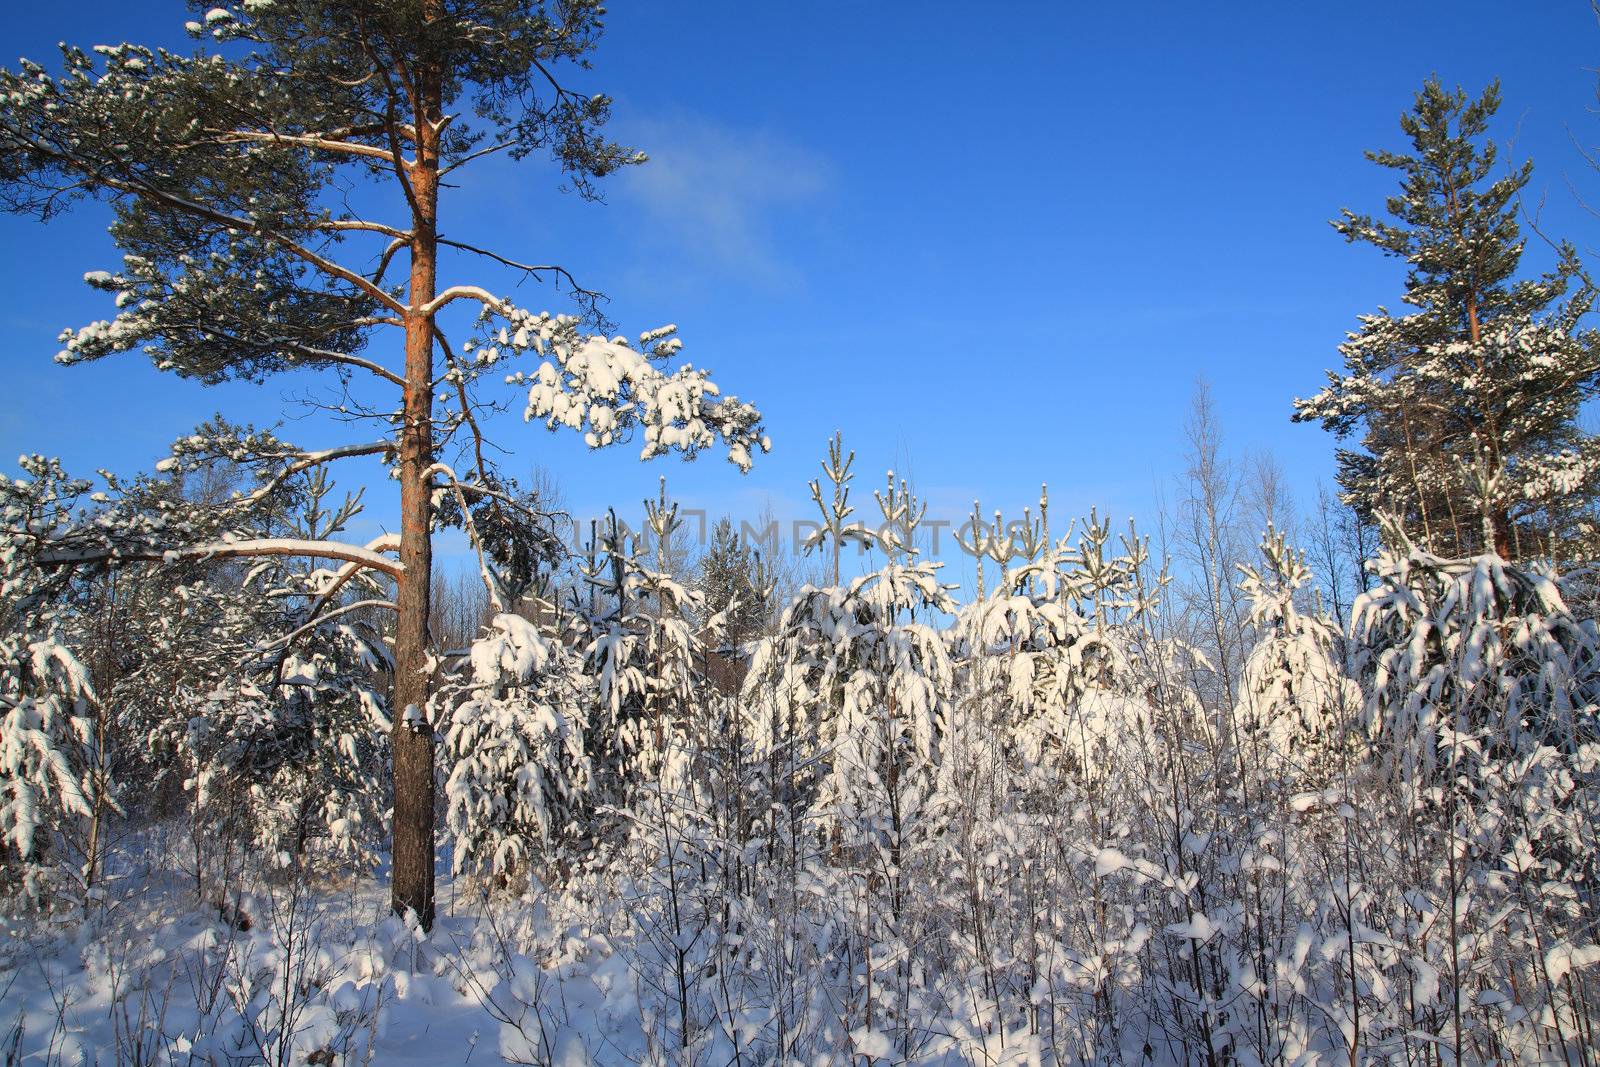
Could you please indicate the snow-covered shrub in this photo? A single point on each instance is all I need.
(640, 654)
(279, 745)
(516, 738)
(1481, 704)
(315, 763)
(255, 682)
(855, 686)
(1474, 650)
(47, 759)
(53, 779)
(1298, 705)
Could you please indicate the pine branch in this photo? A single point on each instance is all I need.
(287, 639)
(355, 148)
(462, 292)
(316, 459)
(138, 187)
(257, 547)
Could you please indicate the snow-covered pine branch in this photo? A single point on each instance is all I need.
(606, 388)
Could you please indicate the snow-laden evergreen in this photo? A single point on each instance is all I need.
(1467, 406)
(1297, 704)
(519, 768)
(1471, 652)
(46, 756)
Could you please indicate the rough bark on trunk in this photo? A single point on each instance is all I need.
(413, 854)
(1500, 524)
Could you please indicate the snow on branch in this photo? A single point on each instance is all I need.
(463, 292)
(389, 542)
(321, 144)
(320, 620)
(606, 388)
(260, 447)
(253, 547)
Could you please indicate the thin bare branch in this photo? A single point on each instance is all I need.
(288, 638)
(534, 269)
(500, 146)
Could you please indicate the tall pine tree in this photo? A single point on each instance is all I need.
(230, 172)
(1467, 406)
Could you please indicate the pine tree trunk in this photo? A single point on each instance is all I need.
(413, 855)
(1501, 525)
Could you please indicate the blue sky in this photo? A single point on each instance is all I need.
(998, 243)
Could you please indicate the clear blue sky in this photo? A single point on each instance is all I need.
(1000, 241)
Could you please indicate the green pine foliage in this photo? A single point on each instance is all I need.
(1465, 408)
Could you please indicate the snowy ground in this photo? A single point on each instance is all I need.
(328, 976)
(319, 977)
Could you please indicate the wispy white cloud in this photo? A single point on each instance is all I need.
(717, 195)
